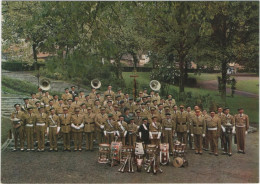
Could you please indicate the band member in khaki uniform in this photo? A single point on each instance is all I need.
(41, 128)
(76, 104)
(46, 98)
(227, 121)
(81, 97)
(144, 113)
(66, 96)
(70, 106)
(221, 115)
(33, 99)
(242, 126)
(155, 131)
(92, 95)
(83, 109)
(131, 105)
(39, 94)
(213, 124)
(182, 125)
(198, 130)
(26, 104)
(59, 107)
(55, 100)
(65, 121)
(190, 138)
(30, 122)
(18, 126)
(77, 126)
(138, 118)
(49, 107)
(109, 129)
(89, 128)
(116, 113)
(99, 98)
(121, 128)
(89, 102)
(96, 107)
(100, 124)
(109, 109)
(132, 132)
(110, 92)
(53, 129)
(168, 125)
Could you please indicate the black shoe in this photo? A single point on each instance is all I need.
(196, 153)
(56, 150)
(64, 150)
(211, 153)
(216, 154)
(243, 152)
(230, 154)
(68, 150)
(224, 153)
(14, 150)
(206, 149)
(200, 153)
(92, 150)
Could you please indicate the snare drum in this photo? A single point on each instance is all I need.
(116, 150)
(103, 155)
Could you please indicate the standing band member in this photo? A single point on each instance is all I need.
(65, 121)
(198, 130)
(121, 129)
(155, 131)
(242, 126)
(100, 124)
(168, 125)
(29, 122)
(109, 129)
(89, 128)
(77, 125)
(53, 129)
(18, 127)
(182, 125)
(41, 128)
(228, 128)
(213, 125)
(132, 132)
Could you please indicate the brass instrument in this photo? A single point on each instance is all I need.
(95, 83)
(155, 85)
(45, 84)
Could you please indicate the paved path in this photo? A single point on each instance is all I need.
(213, 85)
(82, 167)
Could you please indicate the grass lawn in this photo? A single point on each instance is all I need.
(5, 127)
(205, 76)
(249, 104)
(251, 86)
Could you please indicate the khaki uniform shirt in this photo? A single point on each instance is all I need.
(138, 120)
(132, 128)
(92, 95)
(168, 124)
(227, 119)
(77, 120)
(53, 120)
(65, 121)
(214, 122)
(100, 120)
(156, 128)
(198, 125)
(89, 120)
(29, 119)
(96, 109)
(46, 99)
(59, 108)
(89, 103)
(41, 118)
(242, 121)
(110, 93)
(65, 97)
(182, 122)
(110, 125)
(33, 101)
(19, 115)
(122, 128)
(116, 115)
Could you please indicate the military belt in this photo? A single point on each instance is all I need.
(40, 124)
(53, 126)
(240, 125)
(110, 132)
(154, 132)
(65, 124)
(168, 128)
(29, 125)
(213, 128)
(198, 125)
(181, 123)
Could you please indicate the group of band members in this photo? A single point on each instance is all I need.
(115, 115)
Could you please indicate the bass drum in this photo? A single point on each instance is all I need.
(103, 154)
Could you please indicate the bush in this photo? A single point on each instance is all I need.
(16, 66)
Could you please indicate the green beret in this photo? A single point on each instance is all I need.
(110, 115)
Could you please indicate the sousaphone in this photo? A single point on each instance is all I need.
(95, 83)
(155, 85)
(45, 84)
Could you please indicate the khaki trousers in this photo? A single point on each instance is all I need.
(66, 140)
(206, 141)
(213, 140)
(100, 137)
(131, 139)
(182, 137)
(53, 137)
(89, 140)
(240, 132)
(40, 133)
(167, 138)
(198, 142)
(18, 134)
(77, 139)
(155, 141)
(29, 137)
(122, 139)
(109, 138)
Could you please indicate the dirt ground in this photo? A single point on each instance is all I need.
(82, 167)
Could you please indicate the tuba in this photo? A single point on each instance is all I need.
(155, 85)
(45, 84)
(95, 83)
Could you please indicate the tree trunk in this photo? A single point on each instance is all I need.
(181, 79)
(119, 74)
(186, 72)
(34, 52)
(135, 59)
(223, 80)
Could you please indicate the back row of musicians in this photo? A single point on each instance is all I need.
(150, 119)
